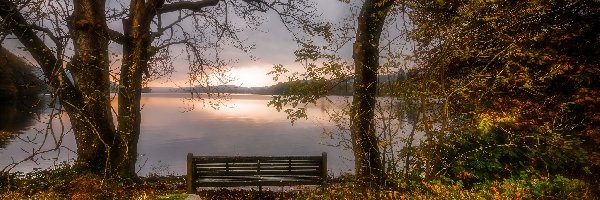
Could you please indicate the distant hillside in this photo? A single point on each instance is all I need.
(19, 89)
(17, 78)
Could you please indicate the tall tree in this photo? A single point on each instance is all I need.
(82, 81)
(366, 69)
(365, 29)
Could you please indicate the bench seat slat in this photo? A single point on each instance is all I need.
(256, 164)
(208, 159)
(272, 168)
(223, 171)
(248, 173)
(255, 177)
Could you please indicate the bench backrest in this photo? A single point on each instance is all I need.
(312, 169)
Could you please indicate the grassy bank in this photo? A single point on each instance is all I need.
(69, 183)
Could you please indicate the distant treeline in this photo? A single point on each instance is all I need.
(334, 87)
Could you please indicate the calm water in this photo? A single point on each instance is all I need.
(171, 129)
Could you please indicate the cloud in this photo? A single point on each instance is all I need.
(273, 43)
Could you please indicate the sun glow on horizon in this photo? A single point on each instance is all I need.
(251, 76)
(247, 76)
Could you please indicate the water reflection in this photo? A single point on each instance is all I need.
(15, 117)
(244, 125)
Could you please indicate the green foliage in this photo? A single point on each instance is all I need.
(173, 196)
(479, 156)
(67, 182)
(521, 82)
(317, 81)
(533, 186)
(519, 187)
(524, 186)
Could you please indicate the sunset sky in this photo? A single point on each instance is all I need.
(273, 44)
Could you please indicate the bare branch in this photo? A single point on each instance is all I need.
(195, 6)
(171, 43)
(16, 23)
(47, 32)
(161, 30)
(116, 36)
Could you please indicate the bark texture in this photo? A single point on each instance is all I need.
(91, 121)
(369, 167)
(136, 55)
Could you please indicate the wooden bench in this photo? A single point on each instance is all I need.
(237, 171)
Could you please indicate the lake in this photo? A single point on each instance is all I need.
(173, 126)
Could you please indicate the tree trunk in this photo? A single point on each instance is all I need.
(90, 114)
(369, 168)
(411, 138)
(86, 97)
(135, 62)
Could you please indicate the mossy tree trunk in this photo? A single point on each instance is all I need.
(90, 111)
(369, 167)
